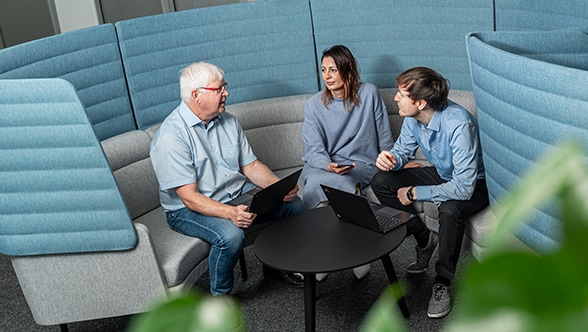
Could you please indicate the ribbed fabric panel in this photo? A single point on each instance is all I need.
(88, 58)
(58, 194)
(388, 37)
(527, 106)
(265, 48)
(519, 15)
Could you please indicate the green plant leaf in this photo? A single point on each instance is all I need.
(385, 315)
(191, 312)
(554, 173)
(527, 282)
(574, 215)
(523, 291)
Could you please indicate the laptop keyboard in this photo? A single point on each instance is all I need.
(388, 223)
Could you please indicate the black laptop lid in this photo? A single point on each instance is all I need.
(351, 208)
(358, 210)
(272, 196)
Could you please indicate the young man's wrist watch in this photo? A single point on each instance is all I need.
(409, 194)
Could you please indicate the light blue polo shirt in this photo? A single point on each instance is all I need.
(184, 151)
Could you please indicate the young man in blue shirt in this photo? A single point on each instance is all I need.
(447, 134)
(203, 161)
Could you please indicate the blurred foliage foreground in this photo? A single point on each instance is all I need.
(524, 291)
(508, 290)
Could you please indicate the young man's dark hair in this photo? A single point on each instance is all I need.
(426, 84)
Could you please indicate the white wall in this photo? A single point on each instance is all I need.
(76, 14)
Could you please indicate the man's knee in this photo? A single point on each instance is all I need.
(384, 182)
(232, 239)
(451, 214)
(294, 207)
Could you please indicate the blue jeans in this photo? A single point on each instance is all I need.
(226, 240)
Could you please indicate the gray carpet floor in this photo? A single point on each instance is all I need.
(342, 300)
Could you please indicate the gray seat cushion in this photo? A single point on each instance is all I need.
(178, 254)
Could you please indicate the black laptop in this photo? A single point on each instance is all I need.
(264, 200)
(358, 210)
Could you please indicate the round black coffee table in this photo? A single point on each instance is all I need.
(316, 241)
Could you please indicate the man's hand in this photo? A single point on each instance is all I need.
(241, 217)
(291, 195)
(403, 197)
(336, 168)
(386, 161)
(413, 164)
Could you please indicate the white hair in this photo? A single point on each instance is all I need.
(198, 75)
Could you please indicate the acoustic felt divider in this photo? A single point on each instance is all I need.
(519, 15)
(58, 194)
(531, 94)
(389, 37)
(88, 58)
(265, 48)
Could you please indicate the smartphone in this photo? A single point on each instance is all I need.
(344, 165)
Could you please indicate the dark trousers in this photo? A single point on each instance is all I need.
(452, 214)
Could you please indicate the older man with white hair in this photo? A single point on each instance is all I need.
(203, 161)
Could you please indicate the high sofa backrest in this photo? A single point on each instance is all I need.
(89, 59)
(520, 15)
(388, 37)
(531, 91)
(58, 194)
(265, 48)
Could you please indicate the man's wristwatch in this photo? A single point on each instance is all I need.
(409, 194)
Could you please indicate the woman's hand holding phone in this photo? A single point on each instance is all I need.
(340, 168)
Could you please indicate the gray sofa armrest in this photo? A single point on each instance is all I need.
(67, 288)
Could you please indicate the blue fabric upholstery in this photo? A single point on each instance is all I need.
(390, 37)
(88, 58)
(518, 15)
(58, 194)
(265, 48)
(531, 93)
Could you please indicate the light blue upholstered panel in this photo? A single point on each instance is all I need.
(265, 48)
(58, 194)
(388, 37)
(525, 106)
(88, 58)
(513, 15)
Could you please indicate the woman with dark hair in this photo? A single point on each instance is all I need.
(345, 127)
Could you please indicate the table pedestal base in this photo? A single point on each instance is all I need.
(310, 294)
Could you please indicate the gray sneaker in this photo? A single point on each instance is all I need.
(424, 255)
(440, 302)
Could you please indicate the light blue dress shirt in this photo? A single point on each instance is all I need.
(451, 144)
(185, 150)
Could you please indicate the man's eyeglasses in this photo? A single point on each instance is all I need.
(218, 90)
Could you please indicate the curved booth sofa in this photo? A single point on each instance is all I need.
(531, 91)
(125, 77)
